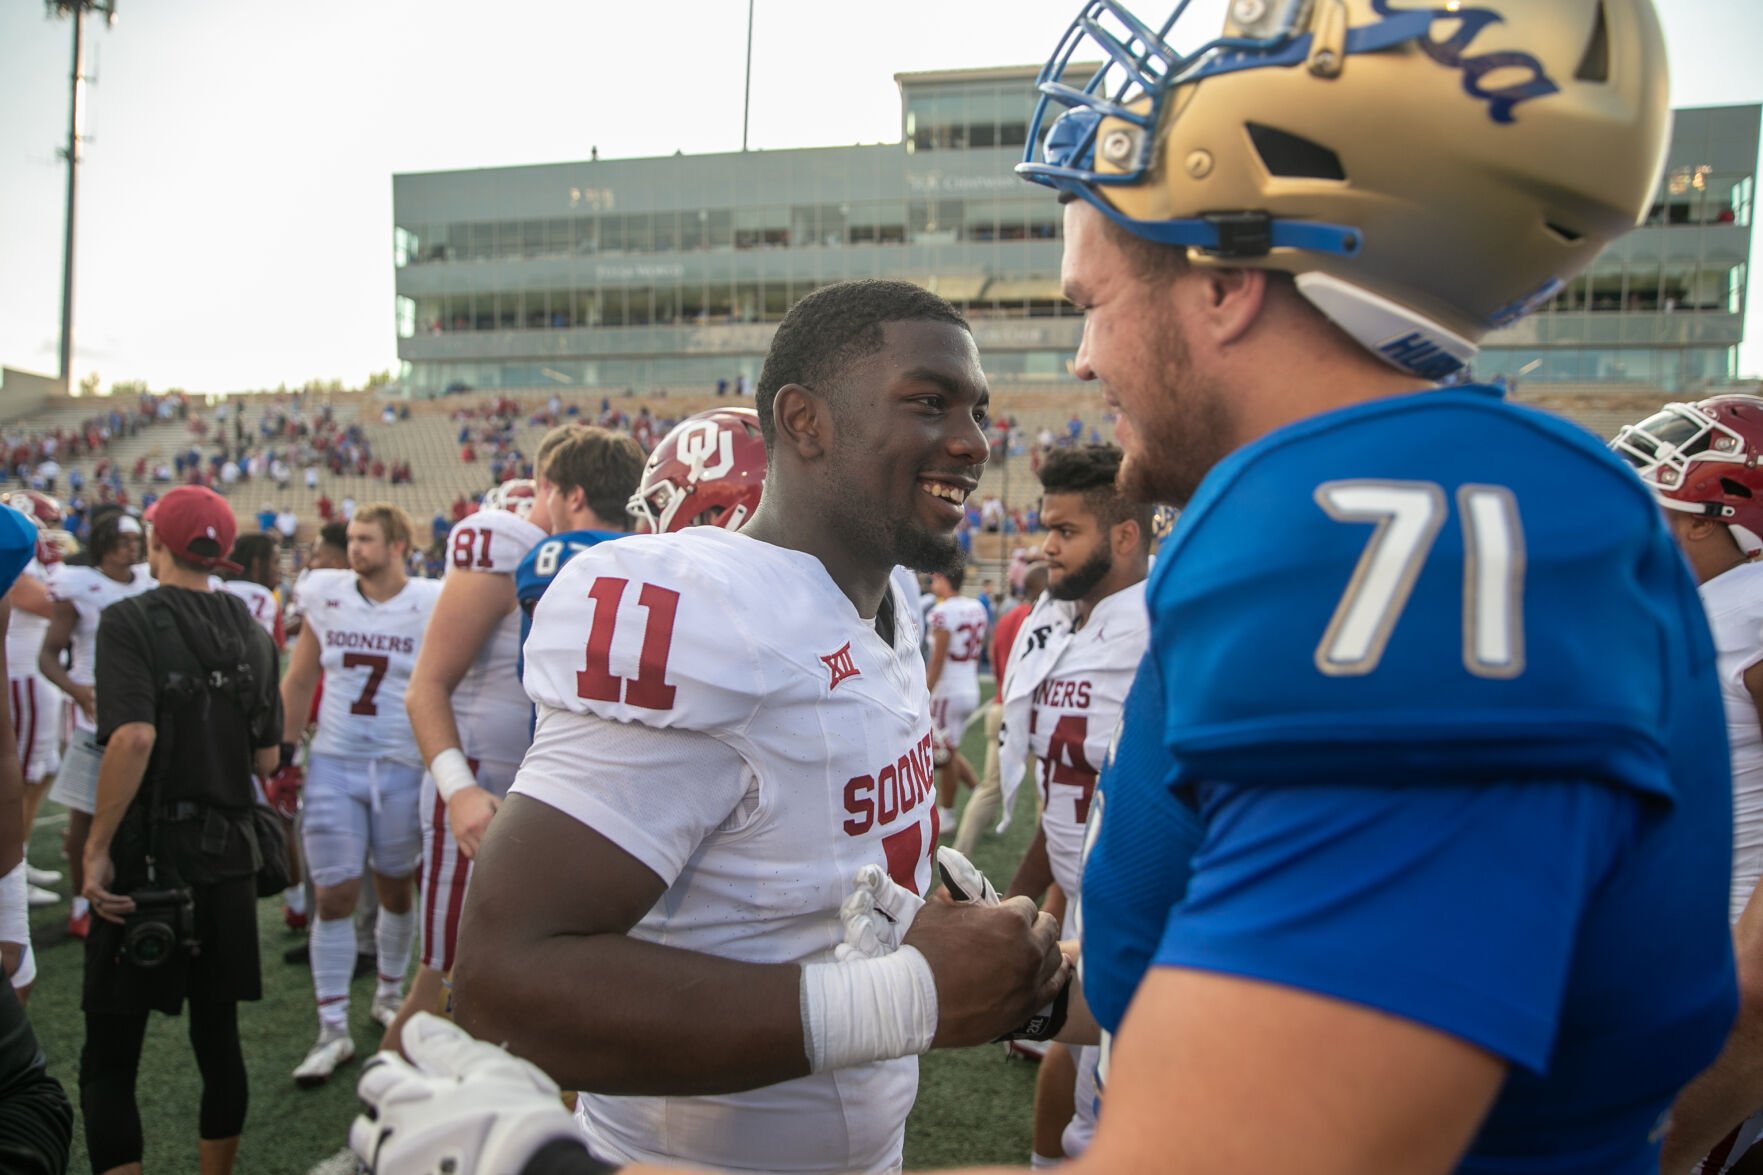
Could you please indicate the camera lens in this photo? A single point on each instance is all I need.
(148, 944)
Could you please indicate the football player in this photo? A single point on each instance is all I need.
(363, 781)
(671, 491)
(19, 537)
(1700, 460)
(730, 725)
(1067, 683)
(38, 710)
(1444, 787)
(957, 634)
(988, 795)
(80, 593)
(257, 582)
(469, 725)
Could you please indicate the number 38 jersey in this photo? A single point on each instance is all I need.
(367, 651)
(964, 619)
(810, 756)
(492, 717)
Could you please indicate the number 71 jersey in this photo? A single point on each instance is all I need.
(367, 651)
(1432, 588)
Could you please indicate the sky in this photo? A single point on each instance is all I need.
(235, 212)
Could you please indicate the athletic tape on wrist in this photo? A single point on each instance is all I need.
(452, 773)
(15, 917)
(868, 1010)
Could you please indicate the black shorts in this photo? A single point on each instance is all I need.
(227, 965)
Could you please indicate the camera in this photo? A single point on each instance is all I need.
(162, 923)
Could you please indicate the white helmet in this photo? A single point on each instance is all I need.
(516, 495)
(1428, 171)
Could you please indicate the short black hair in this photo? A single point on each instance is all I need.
(334, 535)
(106, 534)
(832, 328)
(249, 550)
(956, 576)
(1091, 470)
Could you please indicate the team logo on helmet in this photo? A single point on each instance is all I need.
(1703, 458)
(709, 471)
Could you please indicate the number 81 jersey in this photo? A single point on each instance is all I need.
(367, 651)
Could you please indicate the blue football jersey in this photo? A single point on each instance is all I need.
(1438, 685)
(18, 545)
(542, 564)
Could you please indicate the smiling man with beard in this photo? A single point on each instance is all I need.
(731, 725)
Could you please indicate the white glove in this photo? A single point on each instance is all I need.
(963, 878)
(459, 1106)
(877, 913)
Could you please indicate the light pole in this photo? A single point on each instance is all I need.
(76, 9)
(747, 101)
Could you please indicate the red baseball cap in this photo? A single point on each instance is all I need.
(197, 525)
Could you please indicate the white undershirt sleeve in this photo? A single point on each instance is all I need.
(656, 793)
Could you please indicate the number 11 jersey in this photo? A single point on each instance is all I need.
(367, 651)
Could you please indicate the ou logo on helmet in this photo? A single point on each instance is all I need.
(699, 442)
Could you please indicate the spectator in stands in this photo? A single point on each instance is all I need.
(312, 477)
(327, 509)
(287, 524)
(347, 510)
(468, 454)
(266, 518)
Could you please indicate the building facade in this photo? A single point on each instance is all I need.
(673, 271)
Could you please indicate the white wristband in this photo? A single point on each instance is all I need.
(452, 773)
(15, 917)
(868, 1010)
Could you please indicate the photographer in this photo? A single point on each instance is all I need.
(189, 707)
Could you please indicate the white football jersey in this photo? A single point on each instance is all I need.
(24, 635)
(1076, 706)
(964, 619)
(494, 719)
(367, 651)
(90, 591)
(264, 607)
(820, 735)
(1734, 603)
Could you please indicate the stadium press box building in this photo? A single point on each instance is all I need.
(673, 271)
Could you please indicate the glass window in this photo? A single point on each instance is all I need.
(587, 234)
(587, 308)
(694, 231)
(612, 307)
(639, 233)
(558, 238)
(637, 310)
(777, 300)
(406, 312)
(666, 304)
(666, 232)
(532, 238)
(483, 240)
(721, 229)
(612, 234)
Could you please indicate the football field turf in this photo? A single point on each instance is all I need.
(973, 1105)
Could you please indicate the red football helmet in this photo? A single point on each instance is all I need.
(516, 495)
(47, 516)
(1702, 458)
(709, 471)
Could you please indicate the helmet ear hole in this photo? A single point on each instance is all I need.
(1594, 65)
(1567, 235)
(1734, 489)
(1290, 156)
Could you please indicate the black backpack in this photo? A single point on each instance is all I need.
(225, 693)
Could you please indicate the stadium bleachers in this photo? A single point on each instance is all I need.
(428, 439)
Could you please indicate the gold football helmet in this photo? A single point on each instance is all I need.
(1428, 170)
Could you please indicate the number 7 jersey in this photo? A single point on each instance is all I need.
(367, 651)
